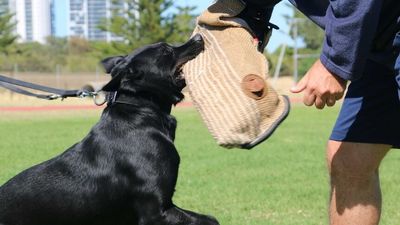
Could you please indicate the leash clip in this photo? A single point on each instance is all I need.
(54, 97)
(84, 94)
(99, 98)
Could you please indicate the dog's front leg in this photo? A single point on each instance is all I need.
(153, 209)
(178, 216)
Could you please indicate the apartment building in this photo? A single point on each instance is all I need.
(33, 17)
(36, 19)
(86, 15)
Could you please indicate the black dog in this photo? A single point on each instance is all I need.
(125, 170)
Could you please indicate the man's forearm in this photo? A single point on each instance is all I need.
(350, 27)
(349, 31)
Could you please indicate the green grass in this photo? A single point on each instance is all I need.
(281, 182)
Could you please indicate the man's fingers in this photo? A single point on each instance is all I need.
(300, 86)
(320, 102)
(331, 101)
(309, 99)
(339, 96)
(320, 87)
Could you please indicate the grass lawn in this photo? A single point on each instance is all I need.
(283, 181)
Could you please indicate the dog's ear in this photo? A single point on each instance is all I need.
(110, 62)
(113, 84)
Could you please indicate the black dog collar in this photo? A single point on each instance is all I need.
(115, 97)
(111, 97)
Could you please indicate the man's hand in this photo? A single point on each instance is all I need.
(320, 87)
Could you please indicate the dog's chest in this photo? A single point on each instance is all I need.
(170, 126)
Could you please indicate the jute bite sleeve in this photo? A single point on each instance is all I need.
(228, 80)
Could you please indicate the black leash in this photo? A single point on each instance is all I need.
(12, 85)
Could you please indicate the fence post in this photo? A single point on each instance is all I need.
(279, 64)
(14, 75)
(58, 74)
(97, 74)
(295, 52)
(15, 71)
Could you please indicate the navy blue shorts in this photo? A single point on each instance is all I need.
(371, 109)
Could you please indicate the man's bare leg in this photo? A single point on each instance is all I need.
(355, 188)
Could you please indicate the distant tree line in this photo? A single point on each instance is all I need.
(7, 37)
(143, 22)
(312, 37)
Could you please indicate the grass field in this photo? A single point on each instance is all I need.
(283, 181)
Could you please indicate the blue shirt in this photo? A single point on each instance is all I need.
(353, 29)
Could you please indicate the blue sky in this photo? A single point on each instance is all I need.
(61, 15)
(277, 38)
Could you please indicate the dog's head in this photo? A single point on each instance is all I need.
(153, 70)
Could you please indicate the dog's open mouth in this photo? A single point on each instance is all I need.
(178, 75)
(179, 78)
(187, 52)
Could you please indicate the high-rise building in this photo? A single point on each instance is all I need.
(38, 19)
(86, 15)
(33, 18)
(4, 6)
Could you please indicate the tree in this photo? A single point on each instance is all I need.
(311, 34)
(143, 22)
(7, 36)
(183, 24)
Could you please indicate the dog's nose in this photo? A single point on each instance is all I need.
(197, 37)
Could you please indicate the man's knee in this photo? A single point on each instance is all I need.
(354, 161)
